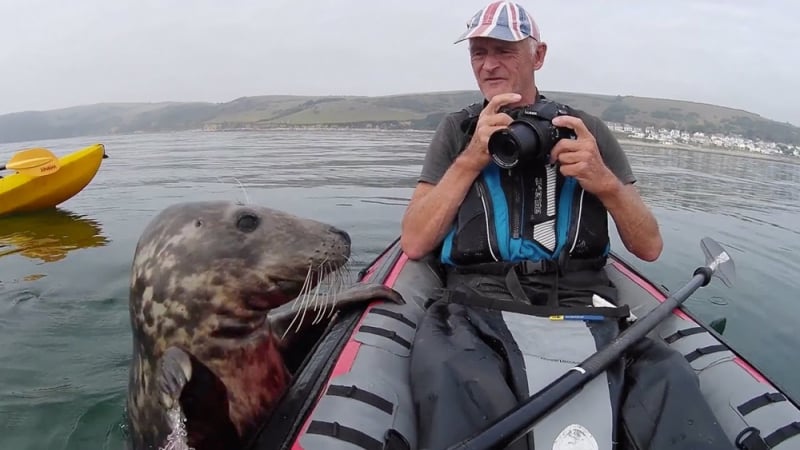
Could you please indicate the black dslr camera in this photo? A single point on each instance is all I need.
(531, 136)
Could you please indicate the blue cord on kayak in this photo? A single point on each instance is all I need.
(595, 317)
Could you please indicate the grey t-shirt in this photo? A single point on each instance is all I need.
(449, 139)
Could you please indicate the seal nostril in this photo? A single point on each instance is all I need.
(247, 222)
(198, 223)
(342, 233)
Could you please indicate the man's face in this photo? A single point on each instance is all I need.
(501, 66)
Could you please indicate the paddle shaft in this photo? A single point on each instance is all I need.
(516, 423)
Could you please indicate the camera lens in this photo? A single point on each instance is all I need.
(506, 145)
(504, 148)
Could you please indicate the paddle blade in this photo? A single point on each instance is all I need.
(30, 157)
(34, 162)
(27, 163)
(718, 260)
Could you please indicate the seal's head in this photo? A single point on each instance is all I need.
(204, 276)
(259, 256)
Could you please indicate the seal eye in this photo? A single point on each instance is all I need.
(247, 222)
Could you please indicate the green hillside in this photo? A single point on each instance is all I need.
(420, 111)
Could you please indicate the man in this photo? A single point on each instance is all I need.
(505, 50)
(537, 234)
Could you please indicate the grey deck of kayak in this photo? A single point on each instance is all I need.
(381, 368)
(725, 384)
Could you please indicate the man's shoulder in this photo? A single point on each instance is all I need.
(469, 111)
(595, 125)
(610, 149)
(456, 123)
(592, 122)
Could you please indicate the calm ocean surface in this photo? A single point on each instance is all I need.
(64, 332)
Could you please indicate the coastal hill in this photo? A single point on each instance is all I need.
(418, 111)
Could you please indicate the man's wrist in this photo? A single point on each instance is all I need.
(467, 165)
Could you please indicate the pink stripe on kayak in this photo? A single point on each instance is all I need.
(343, 365)
(350, 350)
(371, 269)
(368, 274)
(644, 284)
(640, 281)
(751, 370)
(398, 267)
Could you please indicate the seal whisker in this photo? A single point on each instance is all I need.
(334, 291)
(306, 297)
(337, 281)
(307, 302)
(323, 271)
(244, 191)
(348, 271)
(299, 302)
(246, 197)
(336, 286)
(341, 284)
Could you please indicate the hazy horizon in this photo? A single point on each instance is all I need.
(726, 53)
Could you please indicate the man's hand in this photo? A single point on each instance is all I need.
(580, 158)
(476, 155)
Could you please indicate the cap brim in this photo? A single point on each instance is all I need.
(497, 32)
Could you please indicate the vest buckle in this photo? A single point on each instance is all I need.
(529, 267)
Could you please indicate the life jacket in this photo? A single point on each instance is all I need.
(528, 213)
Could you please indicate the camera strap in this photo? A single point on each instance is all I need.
(469, 124)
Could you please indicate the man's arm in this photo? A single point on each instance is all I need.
(581, 159)
(635, 222)
(432, 208)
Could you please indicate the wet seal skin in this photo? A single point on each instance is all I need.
(205, 277)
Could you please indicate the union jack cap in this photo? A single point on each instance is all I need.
(501, 20)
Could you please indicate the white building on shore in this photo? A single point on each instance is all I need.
(733, 142)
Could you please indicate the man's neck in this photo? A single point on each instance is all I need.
(531, 98)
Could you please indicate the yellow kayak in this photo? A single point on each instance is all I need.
(21, 192)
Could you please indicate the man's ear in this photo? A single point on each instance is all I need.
(541, 52)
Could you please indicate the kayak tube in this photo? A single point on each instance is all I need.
(21, 193)
(352, 390)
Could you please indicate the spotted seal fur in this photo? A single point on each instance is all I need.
(205, 276)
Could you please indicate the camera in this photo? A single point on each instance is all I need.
(531, 136)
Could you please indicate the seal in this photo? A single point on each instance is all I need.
(205, 277)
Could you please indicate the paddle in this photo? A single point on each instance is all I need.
(517, 422)
(35, 162)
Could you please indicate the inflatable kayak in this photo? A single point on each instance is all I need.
(353, 390)
(21, 192)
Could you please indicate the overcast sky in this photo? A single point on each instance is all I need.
(737, 53)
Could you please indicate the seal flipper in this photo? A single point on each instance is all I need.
(281, 318)
(297, 342)
(174, 371)
(203, 398)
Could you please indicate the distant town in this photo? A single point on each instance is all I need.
(677, 137)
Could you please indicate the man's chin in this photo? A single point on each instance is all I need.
(497, 89)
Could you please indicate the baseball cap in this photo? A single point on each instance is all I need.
(501, 20)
